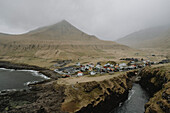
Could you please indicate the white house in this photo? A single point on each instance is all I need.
(78, 64)
(80, 74)
(92, 73)
(122, 65)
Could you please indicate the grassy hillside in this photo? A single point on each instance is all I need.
(59, 41)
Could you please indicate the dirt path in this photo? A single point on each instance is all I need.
(74, 80)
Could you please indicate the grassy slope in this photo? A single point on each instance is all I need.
(59, 41)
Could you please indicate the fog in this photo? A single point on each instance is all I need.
(107, 19)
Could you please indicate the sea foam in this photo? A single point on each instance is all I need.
(33, 72)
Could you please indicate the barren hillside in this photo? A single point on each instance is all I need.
(58, 41)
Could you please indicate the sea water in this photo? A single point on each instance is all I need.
(18, 79)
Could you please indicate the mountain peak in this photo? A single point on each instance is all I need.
(64, 21)
(62, 30)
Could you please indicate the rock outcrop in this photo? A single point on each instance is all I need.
(157, 82)
(42, 98)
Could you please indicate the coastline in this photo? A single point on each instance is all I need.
(13, 99)
(24, 67)
(34, 73)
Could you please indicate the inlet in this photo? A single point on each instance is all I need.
(137, 98)
(19, 79)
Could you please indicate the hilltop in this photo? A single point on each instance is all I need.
(60, 31)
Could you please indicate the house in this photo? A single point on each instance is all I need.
(108, 69)
(82, 68)
(98, 67)
(87, 67)
(144, 62)
(111, 65)
(91, 65)
(107, 65)
(122, 65)
(121, 68)
(103, 70)
(76, 69)
(78, 64)
(65, 76)
(80, 74)
(111, 71)
(131, 67)
(92, 73)
(90, 68)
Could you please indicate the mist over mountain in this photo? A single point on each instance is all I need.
(157, 37)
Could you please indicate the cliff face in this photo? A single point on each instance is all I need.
(96, 97)
(157, 82)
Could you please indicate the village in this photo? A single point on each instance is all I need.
(110, 67)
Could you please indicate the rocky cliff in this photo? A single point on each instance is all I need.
(96, 97)
(157, 82)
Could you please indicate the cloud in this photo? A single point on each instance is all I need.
(107, 19)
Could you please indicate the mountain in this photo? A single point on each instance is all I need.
(158, 37)
(60, 31)
(59, 41)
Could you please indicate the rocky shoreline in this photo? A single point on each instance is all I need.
(41, 98)
(17, 66)
(12, 100)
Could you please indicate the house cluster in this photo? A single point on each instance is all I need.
(146, 61)
(164, 61)
(92, 69)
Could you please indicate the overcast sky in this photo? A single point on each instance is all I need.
(107, 19)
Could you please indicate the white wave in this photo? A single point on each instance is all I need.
(130, 96)
(7, 90)
(32, 82)
(36, 73)
(7, 69)
(120, 104)
(11, 90)
(33, 72)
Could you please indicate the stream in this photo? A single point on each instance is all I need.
(137, 98)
